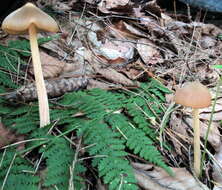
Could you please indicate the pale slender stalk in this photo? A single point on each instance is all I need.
(196, 129)
(39, 80)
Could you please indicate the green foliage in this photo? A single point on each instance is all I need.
(8, 67)
(110, 124)
(133, 135)
(145, 106)
(16, 173)
(25, 119)
(109, 154)
(58, 155)
(11, 60)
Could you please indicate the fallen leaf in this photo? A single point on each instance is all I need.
(131, 73)
(159, 179)
(148, 52)
(217, 170)
(153, 8)
(205, 113)
(124, 30)
(99, 84)
(214, 133)
(7, 137)
(112, 75)
(55, 46)
(207, 42)
(113, 6)
(184, 123)
(55, 5)
(180, 130)
(116, 50)
(52, 67)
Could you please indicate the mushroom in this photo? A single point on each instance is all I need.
(196, 96)
(30, 19)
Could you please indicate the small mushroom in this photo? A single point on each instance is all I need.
(30, 19)
(196, 96)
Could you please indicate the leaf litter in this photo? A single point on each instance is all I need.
(125, 43)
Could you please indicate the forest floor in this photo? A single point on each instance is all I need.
(117, 46)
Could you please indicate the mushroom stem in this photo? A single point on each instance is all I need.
(196, 129)
(40, 85)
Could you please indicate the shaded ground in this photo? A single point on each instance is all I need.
(120, 44)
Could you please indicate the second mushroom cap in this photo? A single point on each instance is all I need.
(194, 95)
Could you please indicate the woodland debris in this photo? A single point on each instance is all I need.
(99, 84)
(182, 126)
(146, 42)
(7, 137)
(123, 30)
(55, 87)
(113, 6)
(217, 169)
(52, 67)
(148, 52)
(114, 76)
(158, 179)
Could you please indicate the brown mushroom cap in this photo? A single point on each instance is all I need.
(19, 21)
(194, 95)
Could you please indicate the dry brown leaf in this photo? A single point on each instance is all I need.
(55, 47)
(109, 5)
(131, 73)
(115, 52)
(158, 179)
(112, 75)
(98, 84)
(214, 134)
(54, 4)
(205, 113)
(153, 8)
(166, 19)
(181, 126)
(53, 67)
(180, 130)
(148, 52)
(110, 52)
(124, 30)
(207, 42)
(7, 137)
(137, 11)
(217, 170)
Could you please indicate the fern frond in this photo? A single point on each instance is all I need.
(109, 155)
(137, 141)
(118, 173)
(16, 172)
(58, 155)
(6, 81)
(25, 119)
(137, 108)
(78, 180)
(95, 104)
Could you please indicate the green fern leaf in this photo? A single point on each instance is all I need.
(19, 172)
(109, 152)
(58, 156)
(137, 141)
